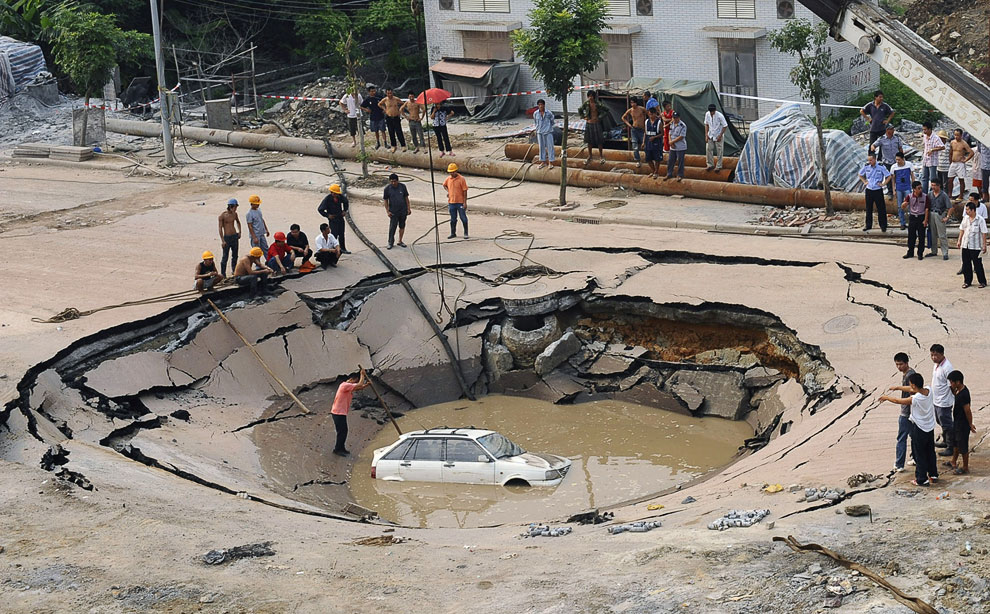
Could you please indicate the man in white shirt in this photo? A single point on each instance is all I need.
(922, 427)
(942, 396)
(327, 247)
(351, 103)
(714, 143)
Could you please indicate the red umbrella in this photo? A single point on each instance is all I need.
(433, 96)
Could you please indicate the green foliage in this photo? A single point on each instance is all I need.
(895, 7)
(385, 15)
(88, 45)
(563, 41)
(900, 97)
(29, 20)
(395, 19)
(810, 44)
(320, 32)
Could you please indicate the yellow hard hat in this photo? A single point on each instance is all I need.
(254, 199)
(207, 255)
(335, 188)
(451, 168)
(256, 252)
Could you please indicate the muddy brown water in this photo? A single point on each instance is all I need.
(620, 451)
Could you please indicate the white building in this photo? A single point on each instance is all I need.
(722, 41)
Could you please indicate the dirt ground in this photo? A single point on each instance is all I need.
(136, 542)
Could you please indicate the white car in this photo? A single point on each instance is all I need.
(465, 456)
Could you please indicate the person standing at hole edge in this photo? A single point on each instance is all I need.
(229, 226)
(206, 273)
(942, 396)
(874, 176)
(457, 189)
(396, 199)
(256, 224)
(333, 207)
(922, 416)
(902, 362)
(342, 405)
(962, 418)
(878, 113)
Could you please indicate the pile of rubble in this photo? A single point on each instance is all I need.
(313, 119)
(957, 29)
(799, 216)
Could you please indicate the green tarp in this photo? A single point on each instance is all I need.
(691, 100)
(478, 91)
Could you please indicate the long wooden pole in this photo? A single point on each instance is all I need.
(260, 359)
(382, 401)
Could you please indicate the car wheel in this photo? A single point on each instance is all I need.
(517, 483)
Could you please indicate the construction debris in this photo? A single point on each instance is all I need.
(219, 557)
(794, 217)
(536, 530)
(738, 518)
(314, 119)
(634, 527)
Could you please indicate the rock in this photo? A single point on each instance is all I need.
(939, 573)
(794, 488)
(219, 557)
(688, 395)
(815, 569)
(761, 377)
(556, 353)
(494, 334)
(498, 361)
(688, 499)
(935, 37)
(858, 510)
(910, 127)
(609, 364)
(858, 126)
(726, 356)
(724, 395)
(954, 35)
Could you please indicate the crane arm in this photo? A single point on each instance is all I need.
(911, 59)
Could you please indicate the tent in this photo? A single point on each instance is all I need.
(20, 63)
(782, 151)
(690, 99)
(475, 83)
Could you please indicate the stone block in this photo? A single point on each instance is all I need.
(688, 395)
(556, 353)
(761, 377)
(498, 361)
(724, 395)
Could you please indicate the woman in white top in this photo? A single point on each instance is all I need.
(973, 243)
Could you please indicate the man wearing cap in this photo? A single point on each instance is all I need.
(327, 247)
(229, 226)
(874, 176)
(653, 145)
(299, 243)
(457, 189)
(396, 199)
(256, 224)
(251, 271)
(206, 272)
(280, 254)
(333, 207)
(714, 143)
(678, 146)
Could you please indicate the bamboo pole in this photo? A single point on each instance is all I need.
(382, 401)
(260, 359)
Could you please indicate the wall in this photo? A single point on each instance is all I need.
(676, 48)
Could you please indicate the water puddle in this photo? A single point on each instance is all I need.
(620, 451)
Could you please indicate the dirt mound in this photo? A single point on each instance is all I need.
(314, 119)
(957, 29)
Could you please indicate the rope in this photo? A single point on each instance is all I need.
(72, 313)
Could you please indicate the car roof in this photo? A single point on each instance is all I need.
(469, 432)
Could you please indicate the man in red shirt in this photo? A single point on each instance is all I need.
(342, 405)
(280, 255)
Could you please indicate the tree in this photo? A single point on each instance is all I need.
(88, 45)
(350, 54)
(564, 40)
(810, 44)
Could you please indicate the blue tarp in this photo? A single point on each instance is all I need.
(20, 63)
(782, 151)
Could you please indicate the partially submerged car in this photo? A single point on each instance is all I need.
(465, 456)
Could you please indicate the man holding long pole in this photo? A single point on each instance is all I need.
(341, 407)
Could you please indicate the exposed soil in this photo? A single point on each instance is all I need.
(957, 29)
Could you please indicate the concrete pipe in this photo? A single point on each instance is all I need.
(487, 167)
(690, 172)
(520, 151)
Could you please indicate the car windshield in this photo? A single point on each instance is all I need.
(500, 446)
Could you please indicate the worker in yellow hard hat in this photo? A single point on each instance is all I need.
(333, 207)
(251, 270)
(457, 192)
(206, 273)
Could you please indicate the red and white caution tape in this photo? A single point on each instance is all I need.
(311, 98)
(528, 93)
(136, 106)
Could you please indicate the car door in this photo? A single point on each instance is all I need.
(387, 467)
(467, 463)
(423, 461)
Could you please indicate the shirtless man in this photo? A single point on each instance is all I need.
(229, 226)
(413, 112)
(393, 120)
(959, 154)
(635, 119)
(251, 270)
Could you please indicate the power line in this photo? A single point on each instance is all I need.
(276, 12)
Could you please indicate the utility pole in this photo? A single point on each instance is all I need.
(162, 90)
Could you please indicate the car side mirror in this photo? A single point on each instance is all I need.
(482, 458)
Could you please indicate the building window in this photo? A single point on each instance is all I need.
(737, 75)
(618, 8)
(487, 45)
(485, 6)
(616, 66)
(736, 9)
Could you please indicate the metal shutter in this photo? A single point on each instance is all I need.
(618, 7)
(473, 5)
(736, 9)
(485, 6)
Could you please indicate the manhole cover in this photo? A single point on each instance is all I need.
(610, 204)
(840, 324)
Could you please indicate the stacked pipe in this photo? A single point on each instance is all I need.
(488, 167)
(617, 160)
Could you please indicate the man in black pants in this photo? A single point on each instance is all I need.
(917, 208)
(922, 427)
(342, 405)
(396, 199)
(874, 176)
(333, 207)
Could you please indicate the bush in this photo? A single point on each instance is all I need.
(900, 97)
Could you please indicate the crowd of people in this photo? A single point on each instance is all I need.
(946, 403)
(264, 261)
(385, 114)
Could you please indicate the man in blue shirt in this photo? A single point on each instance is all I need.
(903, 178)
(544, 121)
(874, 176)
(886, 148)
(879, 114)
(678, 148)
